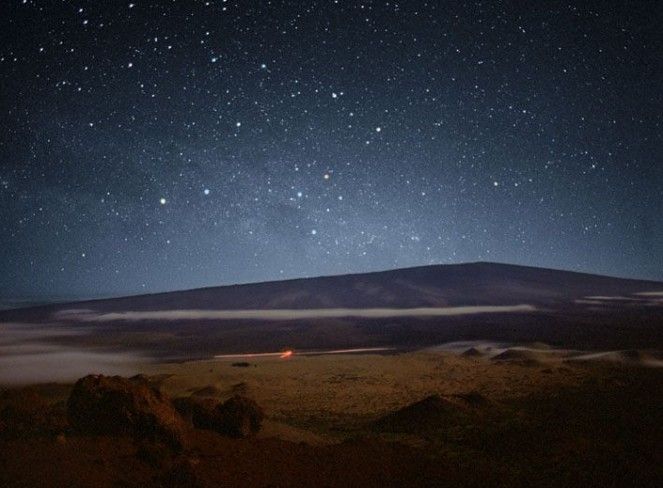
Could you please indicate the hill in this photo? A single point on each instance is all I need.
(404, 308)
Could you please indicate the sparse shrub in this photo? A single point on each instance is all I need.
(241, 364)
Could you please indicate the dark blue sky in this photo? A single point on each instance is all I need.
(159, 145)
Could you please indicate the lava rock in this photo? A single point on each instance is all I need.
(112, 405)
(199, 412)
(237, 417)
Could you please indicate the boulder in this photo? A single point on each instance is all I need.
(237, 417)
(200, 412)
(112, 405)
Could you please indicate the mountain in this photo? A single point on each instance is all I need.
(403, 308)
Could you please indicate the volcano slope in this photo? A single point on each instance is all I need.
(405, 309)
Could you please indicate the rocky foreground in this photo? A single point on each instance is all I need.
(418, 419)
(116, 431)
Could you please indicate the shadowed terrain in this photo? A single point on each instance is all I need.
(412, 419)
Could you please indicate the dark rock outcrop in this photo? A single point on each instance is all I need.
(200, 412)
(240, 417)
(112, 405)
(237, 417)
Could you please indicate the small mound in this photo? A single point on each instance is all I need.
(472, 352)
(112, 405)
(431, 413)
(522, 356)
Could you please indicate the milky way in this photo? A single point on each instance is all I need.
(161, 145)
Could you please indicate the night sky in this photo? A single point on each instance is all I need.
(162, 145)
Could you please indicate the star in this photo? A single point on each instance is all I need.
(261, 126)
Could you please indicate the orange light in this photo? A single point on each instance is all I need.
(286, 354)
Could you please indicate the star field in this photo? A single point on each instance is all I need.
(162, 145)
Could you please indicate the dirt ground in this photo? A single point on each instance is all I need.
(334, 393)
(516, 422)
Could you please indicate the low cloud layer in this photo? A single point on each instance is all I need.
(651, 294)
(648, 299)
(62, 364)
(27, 357)
(291, 314)
(17, 332)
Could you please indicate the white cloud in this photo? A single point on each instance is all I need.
(651, 294)
(293, 314)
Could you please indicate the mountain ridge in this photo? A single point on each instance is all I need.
(425, 306)
(477, 269)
